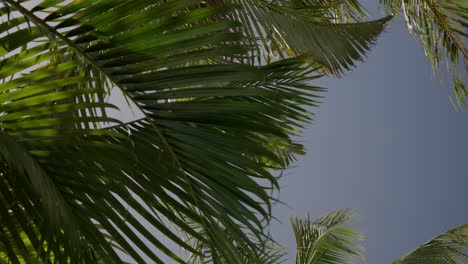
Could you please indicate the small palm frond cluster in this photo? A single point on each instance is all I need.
(442, 26)
(328, 239)
(80, 186)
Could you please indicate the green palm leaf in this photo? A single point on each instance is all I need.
(327, 239)
(442, 27)
(450, 248)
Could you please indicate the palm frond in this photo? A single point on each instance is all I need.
(213, 131)
(281, 29)
(327, 239)
(450, 247)
(442, 27)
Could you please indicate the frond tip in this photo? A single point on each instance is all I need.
(449, 248)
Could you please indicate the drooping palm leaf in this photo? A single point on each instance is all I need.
(442, 27)
(449, 248)
(212, 131)
(327, 239)
(312, 29)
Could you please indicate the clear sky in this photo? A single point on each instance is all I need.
(386, 142)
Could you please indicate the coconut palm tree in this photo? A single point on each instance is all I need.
(80, 186)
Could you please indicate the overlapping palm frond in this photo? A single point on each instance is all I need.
(450, 247)
(442, 27)
(312, 29)
(212, 134)
(327, 239)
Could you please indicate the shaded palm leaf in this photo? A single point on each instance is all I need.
(449, 248)
(442, 27)
(327, 239)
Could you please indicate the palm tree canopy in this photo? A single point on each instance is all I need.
(79, 186)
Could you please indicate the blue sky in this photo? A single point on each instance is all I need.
(386, 142)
